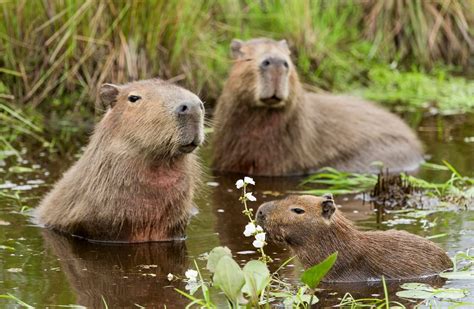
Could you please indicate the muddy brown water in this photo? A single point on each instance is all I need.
(43, 268)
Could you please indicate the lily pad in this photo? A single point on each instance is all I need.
(425, 291)
(416, 294)
(459, 275)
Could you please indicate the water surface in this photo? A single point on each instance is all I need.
(43, 268)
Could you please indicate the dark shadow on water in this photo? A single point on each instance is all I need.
(120, 275)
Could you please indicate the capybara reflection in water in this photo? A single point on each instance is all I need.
(136, 178)
(313, 229)
(266, 124)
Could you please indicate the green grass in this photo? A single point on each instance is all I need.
(416, 89)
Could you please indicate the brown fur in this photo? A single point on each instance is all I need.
(136, 178)
(305, 131)
(322, 230)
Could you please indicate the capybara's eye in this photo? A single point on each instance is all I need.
(285, 64)
(134, 98)
(298, 211)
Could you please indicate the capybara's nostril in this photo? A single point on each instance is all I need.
(182, 109)
(260, 214)
(266, 63)
(189, 108)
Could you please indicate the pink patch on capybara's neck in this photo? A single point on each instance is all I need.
(163, 177)
(267, 124)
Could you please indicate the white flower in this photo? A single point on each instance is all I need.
(259, 241)
(258, 244)
(239, 184)
(249, 196)
(192, 286)
(170, 277)
(259, 228)
(249, 180)
(191, 274)
(260, 236)
(250, 229)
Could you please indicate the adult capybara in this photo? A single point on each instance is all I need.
(136, 178)
(266, 124)
(313, 229)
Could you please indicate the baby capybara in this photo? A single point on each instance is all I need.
(135, 180)
(266, 124)
(313, 229)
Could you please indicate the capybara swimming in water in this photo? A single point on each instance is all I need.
(313, 229)
(135, 180)
(266, 124)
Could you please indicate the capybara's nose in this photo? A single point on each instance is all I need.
(262, 211)
(188, 108)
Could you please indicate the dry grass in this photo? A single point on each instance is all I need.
(427, 31)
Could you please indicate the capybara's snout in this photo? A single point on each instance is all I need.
(190, 116)
(263, 212)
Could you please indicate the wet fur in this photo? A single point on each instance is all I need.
(362, 255)
(130, 184)
(310, 132)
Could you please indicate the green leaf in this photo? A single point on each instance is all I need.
(312, 276)
(215, 255)
(425, 291)
(451, 293)
(229, 278)
(257, 276)
(416, 286)
(416, 294)
(461, 275)
(20, 169)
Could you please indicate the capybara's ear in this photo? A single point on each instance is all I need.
(236, 48)
(328, 208)
(108, 95)
(284, 45)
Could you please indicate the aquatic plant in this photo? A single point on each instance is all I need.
(348, 301)
(457, 190)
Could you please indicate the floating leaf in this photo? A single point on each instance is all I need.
(425, 291)
(229, 278)
(416, 286)
(20, 169)
(460, 275)
(451, 293)
(215, 255)
(257, 276)
(417, 294)
(312, 276)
